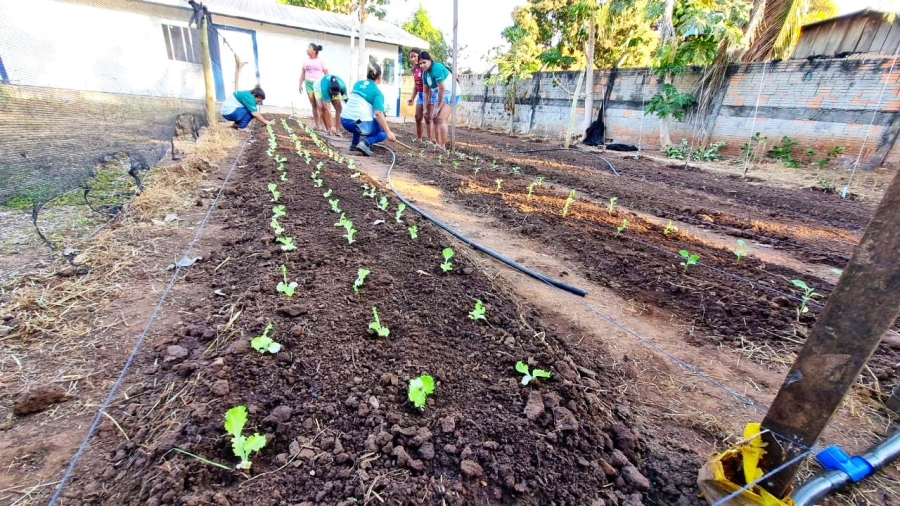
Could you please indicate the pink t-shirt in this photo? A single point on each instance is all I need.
(315, 68)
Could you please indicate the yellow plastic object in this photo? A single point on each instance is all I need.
(720, 476)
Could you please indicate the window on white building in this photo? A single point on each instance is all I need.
(182, 43)
(388, 69)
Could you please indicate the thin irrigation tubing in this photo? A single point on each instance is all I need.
(573, 148)
(140, 341)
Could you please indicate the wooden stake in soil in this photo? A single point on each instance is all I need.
(863, 305)
(211, 117)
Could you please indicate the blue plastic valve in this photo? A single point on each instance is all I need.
(835, 458)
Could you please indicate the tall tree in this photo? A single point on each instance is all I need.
(517, 63)
(819, 10)
(419, 24)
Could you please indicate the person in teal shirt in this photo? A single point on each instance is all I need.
(363, 114)
(437, 80)
(333, 92)
(242, 106)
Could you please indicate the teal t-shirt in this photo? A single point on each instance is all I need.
(246, 99)
(325, 83)
(437, 74)
(369, 91)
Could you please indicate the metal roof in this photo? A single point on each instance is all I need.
(853, 14)
(272, 12)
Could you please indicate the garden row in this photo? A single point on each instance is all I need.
(342, 307)
(723, 295)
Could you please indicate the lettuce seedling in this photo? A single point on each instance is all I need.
(375, 324)
(612, 205)
(522, 367)
(284, 176)
(334, 205)
(400, 208)
(413, 232)
(689, 258)
(317, 183)
(319, 166)
(287, 243)
(383, 202)
(498, 182)
(348, 226)
(741, 250)
(351, 164)
(478, 312)
(530, 188)
(540, 180)
(448, 254)
(341, 221)
(516, 170)
(419, 390)
(621, 227)
(493, 164)
(285, 287)
(808, 293)
(276, 227)
(265, 343)
(275, 193)
(278, 211)
(670, 228)
(360, 277)
(440, 159)
(328, 193)
(455, 165)
(242, 446)
(280, 159)
(476, 170)
(569, 201)
(355, 175)
(477, 159)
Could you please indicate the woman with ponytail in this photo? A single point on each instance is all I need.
(437, 81)
(363, 114)
(333, 91)
(314, 68)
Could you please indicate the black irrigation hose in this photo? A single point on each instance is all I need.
(611, 166)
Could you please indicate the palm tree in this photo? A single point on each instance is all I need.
(777, 30)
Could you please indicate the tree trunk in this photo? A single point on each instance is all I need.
(574, 109)
(212, 118)
(363, 58)
(666, 33)
(589, 76)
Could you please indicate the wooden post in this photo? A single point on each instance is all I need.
(863, 305)
(455, 76)
(211, 117)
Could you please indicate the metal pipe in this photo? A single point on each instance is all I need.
(817, 487)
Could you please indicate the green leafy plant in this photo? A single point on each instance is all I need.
(808, 294)
(670, 228)
(621, 227)
(265, 343)
(478, 312)
(670, 102)
(242, 446)
(276, 227)
(498, 182)
(369, 193)
(400, 208)
(328, 193)
(375, 324)
(516, 169)
(349, 231)
(783, 151)
(448, 254)
(278, 211)
(477, 159)
(413, 231)
(741, 250)
(343, 219)
(493, 164)
(522, 367)
(351, 164)
(355, 175)
(440, 159)
(540, 180)
(287, 243)
(689, 258)
(285, 287)
(612, 205)
(569, 201)
(455, 164)
(360, 278)
(751, 147)
(419, 390)
(383, 203)
(710, 153)
(284, 176)
(334, 205)
(530, 189)
(318, 183)
(319, 166)
(835, 151)
(476, 170)
(273, 188)
(678, 151)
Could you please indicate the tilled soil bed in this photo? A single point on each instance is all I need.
(333, 402)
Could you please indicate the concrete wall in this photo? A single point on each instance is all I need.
(820, 103)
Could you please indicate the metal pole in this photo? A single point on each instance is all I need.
(864, 304)
(211, 117)
(453, 84)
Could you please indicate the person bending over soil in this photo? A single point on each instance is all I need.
(436, 81)
(417, 97)
(242, 106)
(333, 92)
(313, 70)
(363, 115)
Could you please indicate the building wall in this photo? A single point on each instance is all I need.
(820, 103)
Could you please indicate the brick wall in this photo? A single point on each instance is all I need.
(820, 103)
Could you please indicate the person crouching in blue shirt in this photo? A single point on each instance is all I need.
(363, 114)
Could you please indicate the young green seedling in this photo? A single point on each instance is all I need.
(355, 175)
(319, 166)
(265, 343)
(440, 159)
(569, 201)
(476, 170)
(342, 221)
(370, 193)
(413, 231)
(621, 227)
(317, 183)
(285, 287)
(530, 189)
(516, 169)
(612, 205)
(287, 243)
(375, 324)
(276, 227)
(383, 202)
(351, 164)
(334, 205)
(741, 250)
(689, 258)
(350, 231)
(522, 367)
(455, 165)
(328, 193)
(242, 446)
(808, 294)
(498, 182)
(284, 176)
(419, 390)
(275, 193)
(493, 164)
(540, 180)
(670, 228)
(278, 211)
(360, 277)
(448, 254)
(400, 208)
(478, 312)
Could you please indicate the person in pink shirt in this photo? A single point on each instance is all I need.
(313, 70)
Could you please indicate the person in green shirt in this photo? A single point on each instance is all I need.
(437, 81)
(363, 114)
(333, 92)
(242, 106)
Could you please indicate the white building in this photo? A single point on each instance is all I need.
(145, 47)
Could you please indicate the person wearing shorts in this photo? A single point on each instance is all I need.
(436, 81)
(313, 70)
(363, 115)
(332, 90)
(417, 96)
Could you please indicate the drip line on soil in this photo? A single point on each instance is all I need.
(140, 341)
(589, 153)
